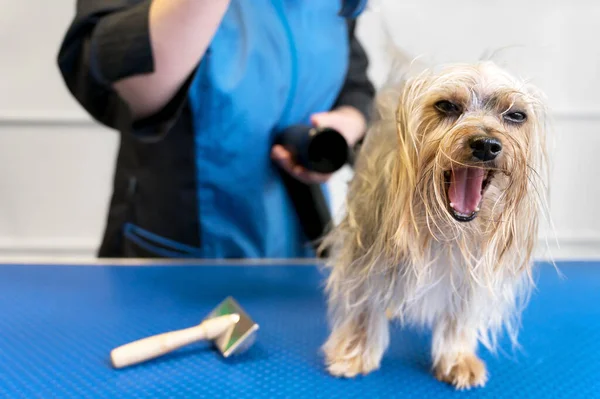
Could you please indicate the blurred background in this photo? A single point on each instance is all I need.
(57, 164)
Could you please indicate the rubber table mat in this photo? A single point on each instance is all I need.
(60, 322)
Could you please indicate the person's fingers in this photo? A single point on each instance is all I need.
(333, 120)
(283, 158)
(308, 176)
(286, 162)
(348, 121)
(319, 119)
(279, 152)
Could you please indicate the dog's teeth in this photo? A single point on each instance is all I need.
(477, 209)
(451, 205)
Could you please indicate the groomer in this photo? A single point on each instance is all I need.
(198, 90)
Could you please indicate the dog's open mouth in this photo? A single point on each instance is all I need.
(465, 189)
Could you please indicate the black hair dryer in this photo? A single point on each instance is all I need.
(318, 149)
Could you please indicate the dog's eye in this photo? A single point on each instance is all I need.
(516, 117)
(447, 107)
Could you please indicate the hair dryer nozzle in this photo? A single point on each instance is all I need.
(322, 150)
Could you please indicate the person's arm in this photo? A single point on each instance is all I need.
(180, 33)
(129, 64)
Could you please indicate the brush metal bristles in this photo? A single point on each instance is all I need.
(238, 339)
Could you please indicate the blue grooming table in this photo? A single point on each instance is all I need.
(59, 323)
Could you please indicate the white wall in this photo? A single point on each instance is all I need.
(57, 206)
(55, 163)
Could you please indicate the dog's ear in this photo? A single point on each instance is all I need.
(398, 109)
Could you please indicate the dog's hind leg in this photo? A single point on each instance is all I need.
(359, 337)
(454, 357)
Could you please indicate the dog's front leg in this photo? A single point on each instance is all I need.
(454, 357)
(359, 337)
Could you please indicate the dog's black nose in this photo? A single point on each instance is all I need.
(485, 148)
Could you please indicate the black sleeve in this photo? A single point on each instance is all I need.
(358, 91)
(109, 40)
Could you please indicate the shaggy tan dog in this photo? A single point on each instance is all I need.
(442, 218)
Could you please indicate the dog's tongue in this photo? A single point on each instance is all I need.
(465, 189)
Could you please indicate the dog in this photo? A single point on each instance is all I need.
(441, 220)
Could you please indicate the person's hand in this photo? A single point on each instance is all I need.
(346, 120)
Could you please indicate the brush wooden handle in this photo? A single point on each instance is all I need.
(158, 345)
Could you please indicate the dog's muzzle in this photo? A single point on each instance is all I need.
(466, 183)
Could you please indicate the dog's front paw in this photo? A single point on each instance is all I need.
(349, 367)
(465, 373)
(349, 358)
